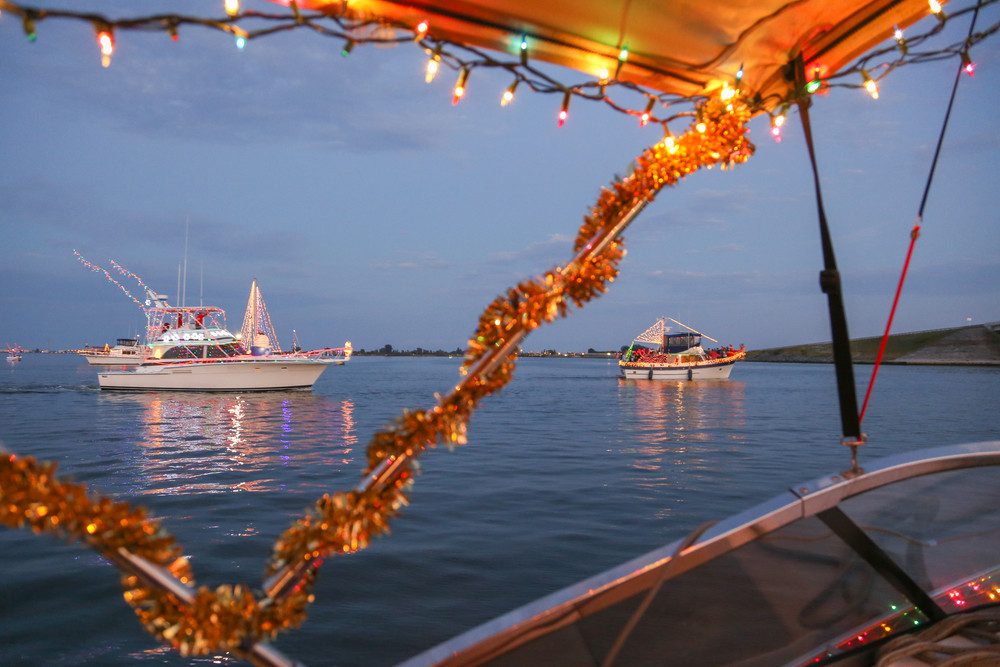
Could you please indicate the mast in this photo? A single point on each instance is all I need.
(187, 227)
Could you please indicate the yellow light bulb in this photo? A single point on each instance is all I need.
(232, 7)
(935, 6)
(433, 65)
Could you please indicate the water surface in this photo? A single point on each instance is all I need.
(569, 471)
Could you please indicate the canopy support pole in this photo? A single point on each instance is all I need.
(829, 281)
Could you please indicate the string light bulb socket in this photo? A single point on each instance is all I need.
(870, 84)
(523, 48)
(459, 91)
(669, 141)
(777, 122)
(968, 66)
(433, 64)
(508, 95)
(348, 47)
(897, 34)
(622, 59)
(564, 109)
(28, 23)
(647, 114)
(106, 43)
(937, 10)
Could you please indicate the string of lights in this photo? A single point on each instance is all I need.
(111, 279)
(354, 28)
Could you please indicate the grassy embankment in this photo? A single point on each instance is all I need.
(977, 345)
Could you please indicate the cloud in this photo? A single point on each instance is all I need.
(548, 249)
(417, 262)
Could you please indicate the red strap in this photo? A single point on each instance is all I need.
(914, 235)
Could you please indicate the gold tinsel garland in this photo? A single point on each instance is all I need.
(231, 617)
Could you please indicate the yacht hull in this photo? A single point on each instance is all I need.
(265, 375)
(109, 360)
(641, 371)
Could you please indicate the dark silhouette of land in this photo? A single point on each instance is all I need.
(976, 345)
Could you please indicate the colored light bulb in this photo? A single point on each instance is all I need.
(870, 85)
(777, 122)
(422, 29)
(647, 114)
(935, 6)
(348, 47)
(564, 110)
(968, 66)
(459, 91)
(106, 42)
(508, 95)
(433, 65)
(232, 7)
(813, 86)
(28, 23)
(669, 142)
(241, 41)
(739, 74)
(622, 57)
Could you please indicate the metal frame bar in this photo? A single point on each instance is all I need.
(802, 501)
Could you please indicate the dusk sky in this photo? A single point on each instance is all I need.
(370, 209)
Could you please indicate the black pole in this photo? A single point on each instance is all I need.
(829, 281)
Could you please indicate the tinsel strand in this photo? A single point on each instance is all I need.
(231, 616)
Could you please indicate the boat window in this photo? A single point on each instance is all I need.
(181, 352)
(223, 351)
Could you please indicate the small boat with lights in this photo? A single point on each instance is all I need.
(676, 356)
(13, 355)
(125, 352)
(192, 350)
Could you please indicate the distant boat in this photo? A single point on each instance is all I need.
(676, 356)
(192, 350)
(14, 354)
(126, 352)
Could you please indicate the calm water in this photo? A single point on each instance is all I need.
(568, 472)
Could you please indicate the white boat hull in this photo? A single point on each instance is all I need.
(636, 371)
(113, 360)
(250, 375)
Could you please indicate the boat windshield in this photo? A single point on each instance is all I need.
(224, 351)
(832, 567)
(182, 352)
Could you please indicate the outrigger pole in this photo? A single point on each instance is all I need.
(692, 330)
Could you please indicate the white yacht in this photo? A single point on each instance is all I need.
(126, 352)
(192, 350)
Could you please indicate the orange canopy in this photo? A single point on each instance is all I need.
(683, 47)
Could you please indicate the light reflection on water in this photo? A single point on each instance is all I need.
(679, 429)
(220, 443)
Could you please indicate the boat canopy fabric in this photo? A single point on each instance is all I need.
(685, 47)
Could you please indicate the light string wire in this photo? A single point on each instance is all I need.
(125, 272)
(232, 617)
(356, 27)
(96, 268)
